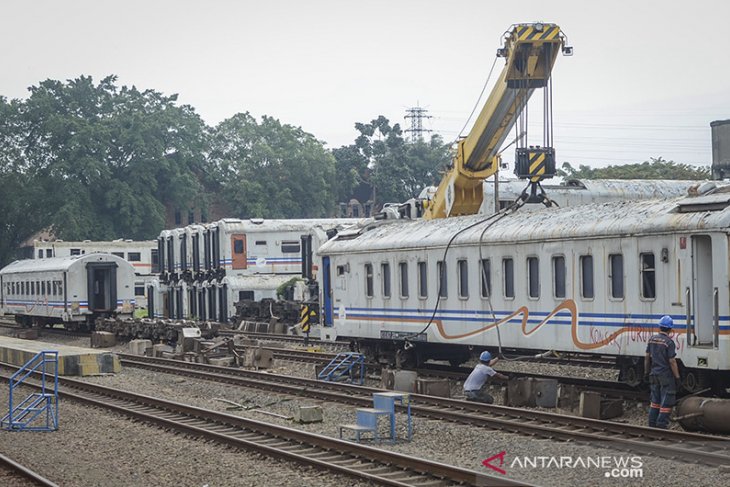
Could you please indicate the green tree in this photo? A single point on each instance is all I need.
(656, 168)
(115, 156)
(24, 206)
(395, 169)
(270, 169)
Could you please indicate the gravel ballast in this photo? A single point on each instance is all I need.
(455, 444)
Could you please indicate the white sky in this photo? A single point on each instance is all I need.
(647, 77)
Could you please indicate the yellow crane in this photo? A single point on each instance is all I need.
(530, 51)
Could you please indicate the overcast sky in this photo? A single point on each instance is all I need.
(646, 80)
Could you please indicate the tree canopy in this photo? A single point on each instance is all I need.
(270, 169)
(393, 169)
(656, 168)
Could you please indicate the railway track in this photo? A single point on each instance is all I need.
(607, 388)
(11, 473)
(343, 346)
(344, 457)
(676, 445)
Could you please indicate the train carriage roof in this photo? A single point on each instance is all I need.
(615, 218)
(59, 264)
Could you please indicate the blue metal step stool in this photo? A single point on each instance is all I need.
(20, 416)
(383, 406)
(345, 365)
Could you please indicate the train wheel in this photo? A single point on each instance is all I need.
(694, 381)
(632, 372)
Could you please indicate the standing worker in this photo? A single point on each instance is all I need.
(660, 365)
(475, 384)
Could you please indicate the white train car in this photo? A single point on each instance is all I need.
(71, 290)
(258, 246)
(574, 192)
(586, 279)
(143, 255)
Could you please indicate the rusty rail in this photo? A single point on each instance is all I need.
(374, 465)
(678, 445)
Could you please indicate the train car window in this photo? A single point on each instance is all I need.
(75, 251)
(291, 247)
(616, 275)
(586, 276)
(533, 277)
(49, 252)
(40, 253)
(508, 267)
(245, 295)
(403, 270)
(260, 242)
(238, 246)
(385, 271)
(463, 270)
(422, 280)
(369, 280)
(443, 283)
(155, 260)
(486, 278)
(134, 256)
(559, 276)
(139, 290)
(648, 276)
(118, 254)
(340, 270)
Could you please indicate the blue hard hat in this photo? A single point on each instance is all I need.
(666, 322)
(485, 357)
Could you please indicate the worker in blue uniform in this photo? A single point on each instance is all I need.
(660, 364)
(475, 385)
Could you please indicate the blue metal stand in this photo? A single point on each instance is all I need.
(20, 417)
(344, 365)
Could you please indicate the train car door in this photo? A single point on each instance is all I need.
(101, 281)
(201, 304)
(704, 295)
(327, 291)
(223, 303)
(150, 302)
(239, 254)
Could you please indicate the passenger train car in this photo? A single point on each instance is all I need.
(141, 254)
(72, 290)
(209, 267)
(587, 279)
(574, 192)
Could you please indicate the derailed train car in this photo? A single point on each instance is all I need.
(585, 279)
(71, 290)
(209, 267)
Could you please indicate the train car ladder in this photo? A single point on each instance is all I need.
(344, 365)
(40, 405)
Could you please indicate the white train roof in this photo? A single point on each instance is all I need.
(613, 218)
(262, 225)
(258, 281)
(56, 264)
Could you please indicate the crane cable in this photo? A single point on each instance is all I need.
(486, 82)
(495, 217)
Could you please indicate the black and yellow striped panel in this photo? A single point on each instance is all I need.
(530, 33)
(537, 163)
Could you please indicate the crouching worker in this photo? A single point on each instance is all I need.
(475, 385)
(661, 366)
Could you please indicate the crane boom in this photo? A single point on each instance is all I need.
(530, 51)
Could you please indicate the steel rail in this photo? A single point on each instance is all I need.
(609, 388)
(683, 446)
(25, 472)
(379, 466)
